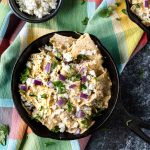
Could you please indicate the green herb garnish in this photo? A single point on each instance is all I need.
(4, 130)
(83, 2)
(118, 19)
(98, 113)
(32, 95)
(60, 86)
(86, 123)
(137, 5)
(55, 129)
(41, 108)
(82, 57)
(37, 117)
(124, 11)
(58, 56)
(106, 12)
(25, 75)
(117, 4)
(49, 143)
(44, 96)
(85, 21)
(69, 106)
(76, 77)
(83, 87)
(22, 91)
(53, 65)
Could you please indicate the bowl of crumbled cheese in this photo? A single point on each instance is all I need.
(35, 11)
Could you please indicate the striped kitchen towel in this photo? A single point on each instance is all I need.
(117, 33)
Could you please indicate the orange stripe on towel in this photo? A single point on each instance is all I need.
(18, 126)
(29, 130)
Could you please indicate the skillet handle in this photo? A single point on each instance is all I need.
(136, 125)
(148, 37)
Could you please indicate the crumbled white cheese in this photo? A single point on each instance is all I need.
(47, 58)
(92, 72)
(65, 67)
(29, 82)
(48, 47)
(91, 86)
(87, 52)
(54, 107)
(77, 108)
(28, 64)
(62, 127)
(57, 112)
(67, 57)
(75, 125)
(38, 8)
(88, 77)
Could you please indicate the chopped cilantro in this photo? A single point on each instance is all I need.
(69, 106)
(58, 56)
(25, 75)
(83, 2)
(4, 130)
(55, 129)
(44, 96)
(53, 65)
(32, 94)
(49, 143)
(106, 12)
(82, 57)
(37, 117)
(75, 77)
(85, 21)
(117, 4)
(60, 86)
(86, 123)
(118, 19)
(137, 5)
(124, 11)
(83, 87)
(98, 113)
(21, 91)
(41, 108)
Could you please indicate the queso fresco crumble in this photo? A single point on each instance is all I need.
(65, 85)
(142, 9)
(38, 8)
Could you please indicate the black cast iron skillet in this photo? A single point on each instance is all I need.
(133, 123)
(136, 19)
(32, 18)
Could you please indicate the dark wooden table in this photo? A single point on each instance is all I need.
(135, 84)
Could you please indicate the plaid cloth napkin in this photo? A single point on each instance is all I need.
(120, 36)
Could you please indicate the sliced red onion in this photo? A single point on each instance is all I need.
(146, 3)
(61, 101)
(61, 77)
(37, 82)
(72, 86)
(78, 131)
(84, 79)
(80, 114)
(85, 96)
(48, 68)
(50, 84)
(23, 87)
